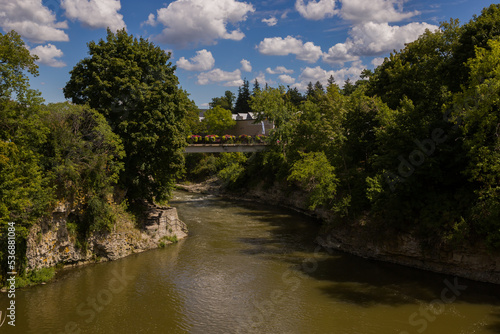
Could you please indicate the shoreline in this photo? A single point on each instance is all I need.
(469, 261)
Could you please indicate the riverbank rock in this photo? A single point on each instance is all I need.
(50, 242)
(474, 262)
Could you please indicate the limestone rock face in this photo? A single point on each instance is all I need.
(50, 243)
(470, 261)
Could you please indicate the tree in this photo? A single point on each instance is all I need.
(310, 90)
(83, 158)
(242, 105)
(15, 60)
(331, 80)
(316, 176)
(256, 87)
(132, 83)
(477, 111)
(225, 101)
(348, 87)
(218, 120)
(476, 33)
(294, 97)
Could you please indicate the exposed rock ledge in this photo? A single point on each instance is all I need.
(50, 243)
(472, 262)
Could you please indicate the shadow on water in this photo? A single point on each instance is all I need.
(350, 278)
(495, 327)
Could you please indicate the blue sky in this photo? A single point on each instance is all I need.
(218, 43)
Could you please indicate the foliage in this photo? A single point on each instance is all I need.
(225, 102)
(15, 60)
(218, 120)
(132, 83)
(317, 177)
(242, 102)
(478, 111)
(41, 275)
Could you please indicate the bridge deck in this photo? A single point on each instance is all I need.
(221, 148)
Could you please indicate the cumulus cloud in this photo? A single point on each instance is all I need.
(378, 61)
(371, 39)
(277, 46)
(261, 78)
(32, 20)
(313, 74)
(151, 20)
(316, 10)
(246, 66)
(272, 21)
(278, 70)
(231, 79)
(203, 61)
(201, 21)
(47, 54)
(286, 79)
(95, 13)
(374, 11)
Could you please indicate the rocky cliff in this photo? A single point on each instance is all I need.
(469, 261)
(50, 242)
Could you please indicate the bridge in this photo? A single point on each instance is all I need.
(224, 148)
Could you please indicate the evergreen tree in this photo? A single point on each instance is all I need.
(348, 87)
(256, 87)
(242, 105)
(310, 90)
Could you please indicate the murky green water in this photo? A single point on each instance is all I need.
(252, 269)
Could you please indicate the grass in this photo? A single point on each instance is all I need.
(163, 241)
(35, 277)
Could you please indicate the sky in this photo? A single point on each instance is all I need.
(216, 44)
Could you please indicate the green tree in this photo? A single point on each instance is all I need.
(477, 110)
(476, 33)
(316, 176)
(15, 60)
(218, 120)
(132, 83)
(83, 161)
(270, 104)
(242, 102)
(226, 101)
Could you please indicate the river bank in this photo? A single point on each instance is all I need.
(474, 262)
(53, 243)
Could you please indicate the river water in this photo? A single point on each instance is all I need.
(248, 268)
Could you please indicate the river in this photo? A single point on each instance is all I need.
(251, 268)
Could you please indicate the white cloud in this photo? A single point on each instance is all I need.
(371, 39)
(47, 54)
(95, 13)
(286, 79)
(246, 66)
(278, 70)
(272, 21)
(201, 21)
(378, 61)
(316, 10)
(313, 74)
(261, 78)
(151, 20)
(380, 11)
(203, 61)
(32, 20)
(277, 46)
(231, 79)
